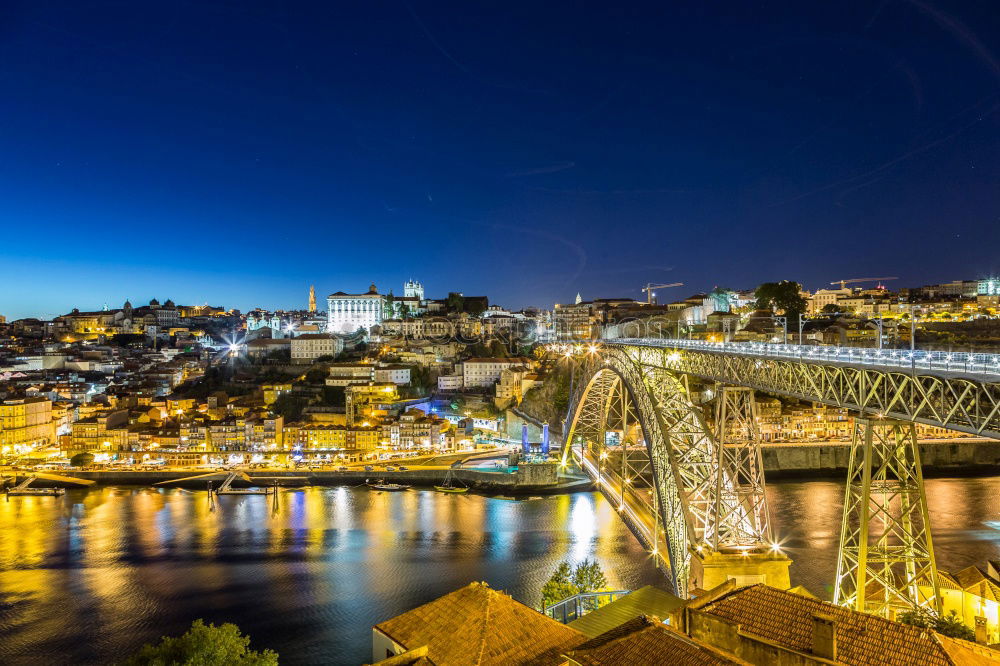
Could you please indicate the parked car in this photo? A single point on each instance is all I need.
(342, 469)
(369, 468)
(390, 468)
(403, 469)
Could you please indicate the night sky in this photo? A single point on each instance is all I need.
(237, 152)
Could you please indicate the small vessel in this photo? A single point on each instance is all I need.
(383, 485)
(22, 488)
(449, 485)
(227, 489)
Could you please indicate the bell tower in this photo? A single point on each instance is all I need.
(312, 298)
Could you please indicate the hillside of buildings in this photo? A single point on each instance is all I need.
(547, 402)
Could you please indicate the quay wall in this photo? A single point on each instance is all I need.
(534, 478)
(966, 456)
(938, 458)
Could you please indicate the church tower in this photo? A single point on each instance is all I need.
(312, 298)
(413, 289)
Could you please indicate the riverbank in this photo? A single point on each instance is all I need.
(526, 479)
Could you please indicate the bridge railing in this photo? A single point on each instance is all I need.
(904, 359)
(578, 605)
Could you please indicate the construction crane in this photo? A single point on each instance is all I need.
(843, 283)
(651, 295)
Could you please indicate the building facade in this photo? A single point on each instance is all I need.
(307, 347)
(346, 313)
(485, 372)
(25, 425)
(413, 289)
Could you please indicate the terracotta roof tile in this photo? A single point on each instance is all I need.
(646, 640)
(787, 619)
(477, 625)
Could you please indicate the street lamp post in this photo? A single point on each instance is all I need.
(784, 327)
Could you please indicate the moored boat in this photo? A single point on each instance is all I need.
(382, 485)
(449, 485)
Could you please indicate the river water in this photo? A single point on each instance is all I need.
(89, 577)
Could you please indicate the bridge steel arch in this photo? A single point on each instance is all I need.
(969, 403)
(681, 449)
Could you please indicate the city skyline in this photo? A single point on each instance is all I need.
(397, 290)
(234, 155)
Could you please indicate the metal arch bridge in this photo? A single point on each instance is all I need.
(692, 487)
(957, 391)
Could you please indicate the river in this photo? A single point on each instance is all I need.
(89, 577)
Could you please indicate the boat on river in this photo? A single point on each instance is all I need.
(449, 485)
(22, 489)
(382, 485)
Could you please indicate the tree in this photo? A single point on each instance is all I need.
(316, 376)
(334, 396)
(456, 302)
(129, 340)
(81, 459)
(497, 349)
(420, 379)
(560, 586)
(948, 625)
(589, 577)
(203, 645)
(289, 407)
(782, 297)
(831, 308)
(389, 306)
(476, 308)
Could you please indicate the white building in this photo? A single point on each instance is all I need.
(450, 382)
(308, 347)
(413, 289)
(397, 374)
(346, 313)
(485, 372)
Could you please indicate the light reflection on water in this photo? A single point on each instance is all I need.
(90, 576)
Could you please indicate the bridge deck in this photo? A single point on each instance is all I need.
(983, 367)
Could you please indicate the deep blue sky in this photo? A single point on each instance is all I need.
(237, 152)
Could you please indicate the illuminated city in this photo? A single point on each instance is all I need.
(449, 334)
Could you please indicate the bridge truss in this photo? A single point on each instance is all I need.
(967, 403)
(705, 485)
(637, 431)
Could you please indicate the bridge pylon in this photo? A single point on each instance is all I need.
(886, 558)
(741, 505)
(741, 546)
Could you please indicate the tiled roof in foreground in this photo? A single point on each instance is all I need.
(646, 640)
(787, 620)
(476, 625)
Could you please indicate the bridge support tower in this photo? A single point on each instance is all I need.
(886, 558)
(742, 545)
